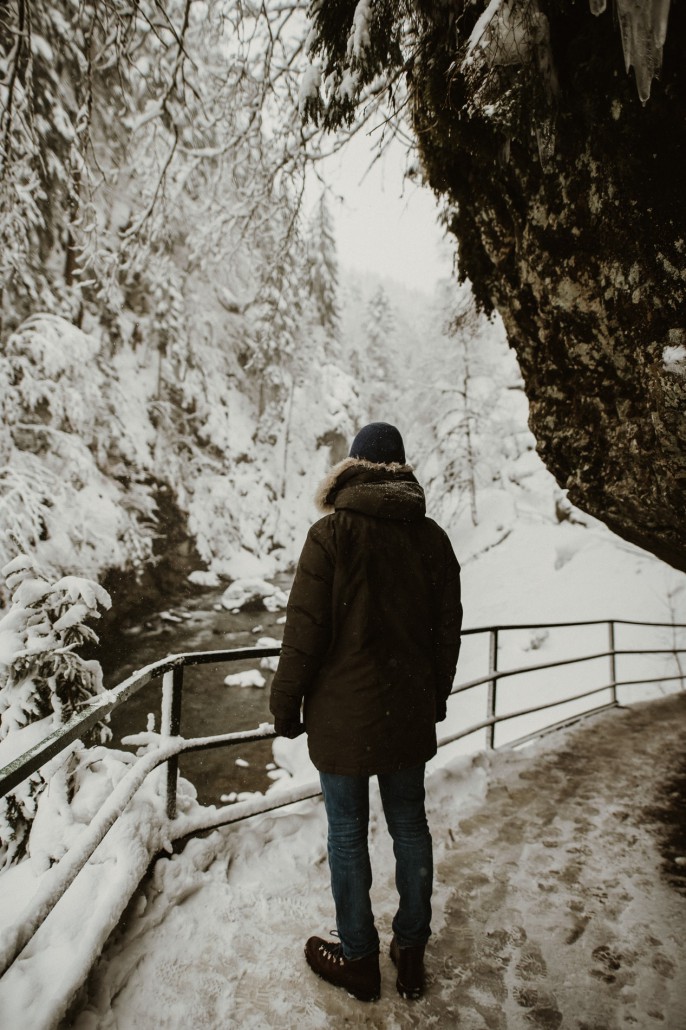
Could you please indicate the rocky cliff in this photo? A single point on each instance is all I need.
(570, 216)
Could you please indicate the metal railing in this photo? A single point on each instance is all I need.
(171, 670)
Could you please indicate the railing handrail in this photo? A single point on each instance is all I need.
(101, 705)
(172, 744)
(496, 674)
(577, 622)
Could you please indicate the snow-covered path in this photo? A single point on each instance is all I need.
(553, 907)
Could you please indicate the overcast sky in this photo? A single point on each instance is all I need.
(384, 223)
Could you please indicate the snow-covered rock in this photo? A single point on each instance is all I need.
(251, 678)
(204, 578)
(251, 593)
(268, 663)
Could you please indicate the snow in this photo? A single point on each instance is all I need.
(674, 359)
(23, 739)
(243, 564)
(310, 84)
(548, 903)
(11, 627)
(268, 663)
(477, 36)
(251, 592)
(72, 617)
(505, 32)
(360, 35)
(251, 678)
(204, 578)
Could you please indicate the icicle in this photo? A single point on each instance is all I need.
(643, 28)
(660, 17)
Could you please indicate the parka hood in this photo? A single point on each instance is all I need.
(385, 491)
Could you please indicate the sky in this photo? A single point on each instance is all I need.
(386, 223)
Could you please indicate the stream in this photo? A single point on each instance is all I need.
(199, 623)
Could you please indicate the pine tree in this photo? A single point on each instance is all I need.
(380, 323)
(41, 674)
(323, 266)
(466, 374)
(278, 330)
(377, 364)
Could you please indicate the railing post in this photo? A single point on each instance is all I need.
(613, 660)
(492, 667)
(172, 691)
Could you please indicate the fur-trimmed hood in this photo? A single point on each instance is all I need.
(385, 490)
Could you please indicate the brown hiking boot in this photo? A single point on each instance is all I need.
(360, 977)
(410, 965)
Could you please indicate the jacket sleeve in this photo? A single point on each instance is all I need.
(449, 624)
(307, 633)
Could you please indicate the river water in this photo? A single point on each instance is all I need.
(209, 707)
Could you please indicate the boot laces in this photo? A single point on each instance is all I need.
(333, 954)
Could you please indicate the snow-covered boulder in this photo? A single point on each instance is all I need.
(253, 593)
(251, 678)
(204, 578)
(268, 663)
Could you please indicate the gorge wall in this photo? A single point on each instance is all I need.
(570, 215)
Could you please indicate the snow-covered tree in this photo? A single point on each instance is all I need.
(380, 322)
(466, 391)
(154, 304)
(323, 269)
(71, 469)
(376, 362)
(43, 680)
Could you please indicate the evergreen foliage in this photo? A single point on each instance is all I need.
(42, 677)
(377, 364)
(323, 269)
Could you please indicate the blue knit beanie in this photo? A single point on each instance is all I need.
(379, 442)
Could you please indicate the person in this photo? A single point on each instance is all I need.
(370, 647)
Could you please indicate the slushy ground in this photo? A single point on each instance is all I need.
(560, 901)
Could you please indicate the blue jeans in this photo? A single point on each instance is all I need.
(346, 799)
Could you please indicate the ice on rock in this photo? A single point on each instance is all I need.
(643, 28)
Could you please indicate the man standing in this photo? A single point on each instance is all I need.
(370, 647)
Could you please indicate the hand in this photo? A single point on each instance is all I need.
(290, 728)
(441, 711)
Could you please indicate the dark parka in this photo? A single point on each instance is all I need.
(372, 631)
